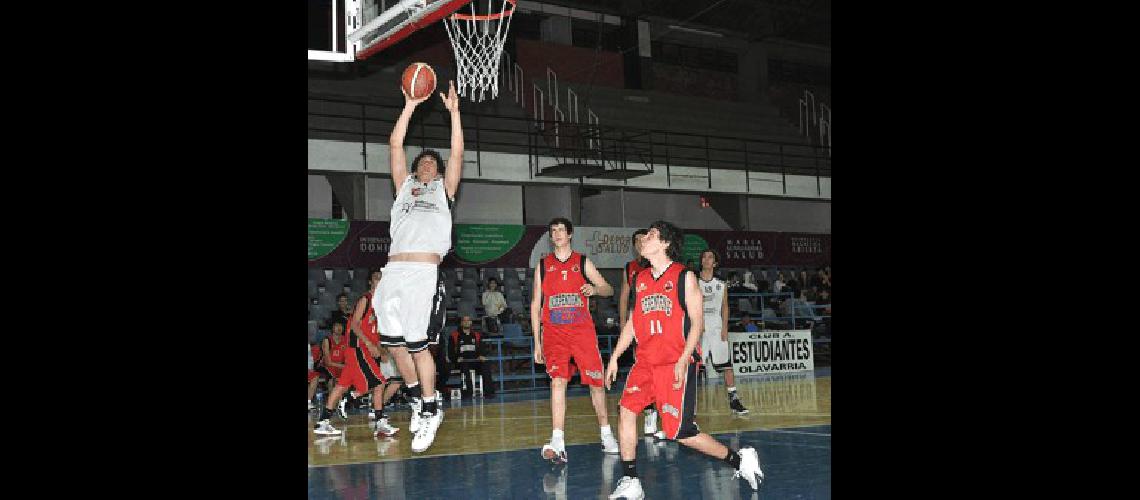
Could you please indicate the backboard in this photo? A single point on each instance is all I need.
(354, 30)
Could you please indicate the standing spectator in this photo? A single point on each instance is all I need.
(343, 312)
(495, 305)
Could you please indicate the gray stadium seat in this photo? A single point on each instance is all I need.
(341, 275)
(466, 308)
(334, 288)
(744, 305)
(316, 274)
(312, 330)
(511, 277)
(360, 273)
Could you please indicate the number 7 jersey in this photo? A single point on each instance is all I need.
(660, 318)
(564, 308)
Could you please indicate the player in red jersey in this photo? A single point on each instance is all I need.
(360, 368)
(564, 281)
(328, 359)
(667, 322)
(631, 269)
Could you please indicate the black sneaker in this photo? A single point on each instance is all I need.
(738, 408)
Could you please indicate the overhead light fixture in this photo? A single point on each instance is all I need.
(697, 31)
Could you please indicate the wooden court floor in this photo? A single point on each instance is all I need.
(481, 426)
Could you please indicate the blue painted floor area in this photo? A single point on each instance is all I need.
(796, 462)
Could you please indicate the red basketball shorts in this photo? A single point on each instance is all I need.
(360, 371)
(559, 346)
(653, 384)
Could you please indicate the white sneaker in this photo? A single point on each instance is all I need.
(426, 434)
(650, 423)
(372, 414)
(383, 429)
(556, 455)
(311, 405)
(659, 435)
(750, 467)
(340, 408)
(326, 428)
(628, 487)
(417, 406)
(610, 444)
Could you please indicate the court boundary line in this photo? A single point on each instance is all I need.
(783, 430)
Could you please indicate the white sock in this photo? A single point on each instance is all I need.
(429, 399)
(606, 431)
(556, 438)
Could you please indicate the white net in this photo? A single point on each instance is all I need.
(477, 39)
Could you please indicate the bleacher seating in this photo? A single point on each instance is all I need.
(512, 352)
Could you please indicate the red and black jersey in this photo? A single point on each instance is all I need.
(317, 353)
(337, 349)
(369, 324)
(563, 305)
(660, 318)
(466, 345)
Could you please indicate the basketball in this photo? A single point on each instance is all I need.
(418, 80)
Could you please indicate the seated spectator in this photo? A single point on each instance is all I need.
(817, 278)
(734, 284)
(812, 294)
(792, 287)
(495, 306)
(805, 315)
(746, 323)
(748, 283)
(825, 299)
(469, 351)
(778, 286)
(762, 283)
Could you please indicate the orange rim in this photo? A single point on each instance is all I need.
(486, 17)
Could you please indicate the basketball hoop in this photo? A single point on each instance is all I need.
(477, 40)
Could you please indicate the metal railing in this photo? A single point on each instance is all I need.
(371, 121)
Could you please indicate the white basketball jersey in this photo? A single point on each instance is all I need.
(713, 292)
(421, 218)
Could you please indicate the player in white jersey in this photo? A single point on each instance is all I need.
(714, 340)
(409, 301)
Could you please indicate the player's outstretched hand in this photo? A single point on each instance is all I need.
(451, 100)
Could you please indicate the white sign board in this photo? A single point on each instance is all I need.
(770, 351)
